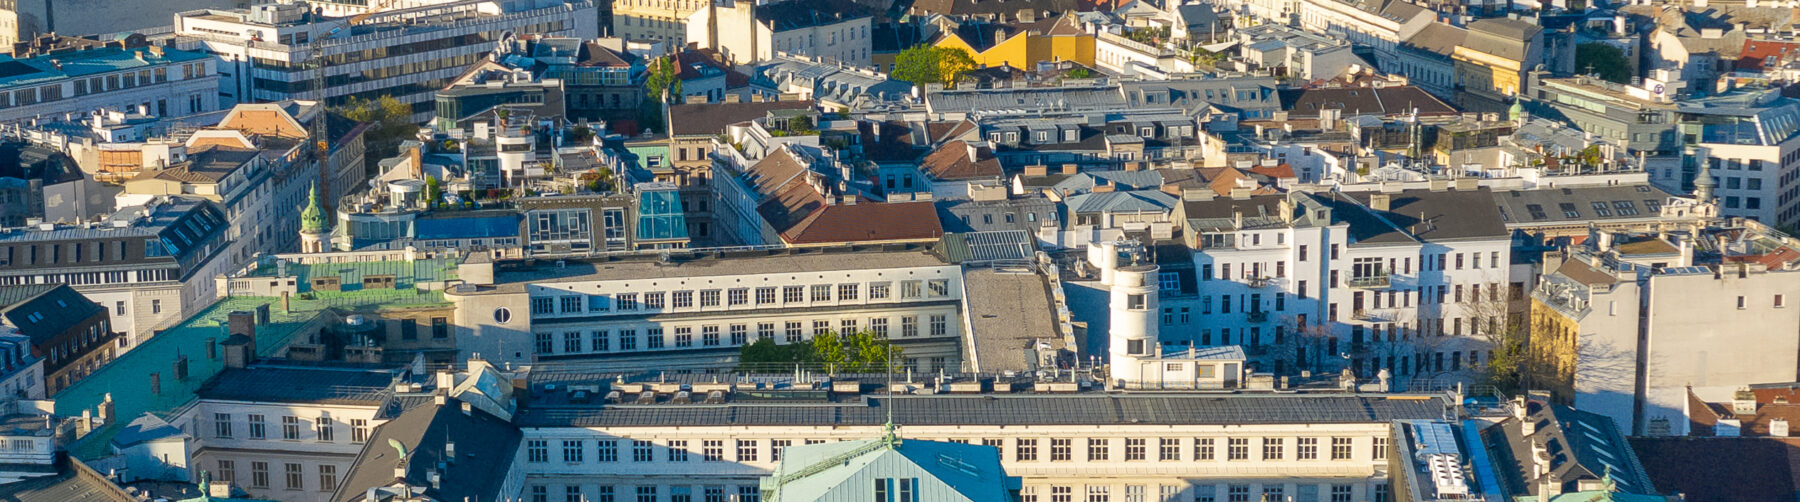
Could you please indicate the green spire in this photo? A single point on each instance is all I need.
(313, 218)
(1517, 110)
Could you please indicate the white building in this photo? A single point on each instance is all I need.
(1379, 24)
(690, 311)
(752, 32)
(1394, 280)
(1748, 143)
(151, 80)
(273, 51)
(589, 435)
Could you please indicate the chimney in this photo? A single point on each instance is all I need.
(1743, 402)
(1380, 201)
(445, 380)
(1605, 242)
(1778, 427)
(467, 408)
(1068, 169)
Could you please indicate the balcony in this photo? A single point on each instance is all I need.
(1370, 281)
(1368, 316)
(1257, 316)
(1259, 282)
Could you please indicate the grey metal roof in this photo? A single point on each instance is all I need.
(1013, 245)
(486, 447)
(1546, 206)
(1017, 410)
(1026, 100)
(699, 264)
(1116, 202)
(1443, 215)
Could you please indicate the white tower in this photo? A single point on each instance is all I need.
(1133, 341)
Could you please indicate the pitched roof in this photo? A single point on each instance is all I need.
(205, 166)
(950, 472)
(711, 118)
(1432, 215)
(42, 312)
(1734, 469)
(959, 8)
(1438, 38)
(1592, 203)
(958, 160)
(485, 447)
(73, 482)
(1583, 445)
(803, 215)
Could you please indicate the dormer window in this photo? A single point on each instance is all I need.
(1072, 135)
(1043, 137)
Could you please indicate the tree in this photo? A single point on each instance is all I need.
(661, 86)
(1604, 60)
(924, 64)
(860, 352)
(433, 190)
(800, 125)
(392, 123)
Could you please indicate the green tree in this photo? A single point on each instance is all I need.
(861, 352)
(801, 124)
(869, 354)
(923, 64)
(828, 350)
(1604, 60)
(661, 86)
(433, 190)
(392, 122)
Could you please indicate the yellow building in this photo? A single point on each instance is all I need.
(1492, 61)
(1022, 46)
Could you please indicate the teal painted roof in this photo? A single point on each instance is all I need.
(128, 377)
(407, 274)
(42, 69)
(840, 470)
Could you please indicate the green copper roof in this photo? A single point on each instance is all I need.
(312, 219)
(127, 378)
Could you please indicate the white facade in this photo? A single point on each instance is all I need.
(270, 54)
(1382, 30)
(258, 445)
(148, 80)
(744, 38)
(641, 315)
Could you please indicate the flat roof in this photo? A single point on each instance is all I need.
(710, 264)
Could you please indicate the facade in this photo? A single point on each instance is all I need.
(1636, 304)
(1640, 118)
(654, 20)
(160, 80)
(1381, 281)
(1023, 46)
(282, 46)
(149, 265)
(24, 21)
(1492, 62)
(689, 164)
(1058, 445)
(1747, 142)
(834, 31)
(1378, 24)
(692, 311)
(74, 334)
(23, 374)
(1428, 59)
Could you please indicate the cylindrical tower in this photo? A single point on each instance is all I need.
(1134, 338)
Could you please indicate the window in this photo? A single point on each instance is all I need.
(1272, 449)
(896, 490)
(1380, 450)
(848, 291)
(1780, 301)
(1237, 493)
(1098, 449)
(296, 476)
(259, 474)
(571, 304)
(1203, 449)
(290, 428)
(939, 324)
(572, 342)
(653, 338)
(821, 292)
(359, 430)
(440, 328)
(1062, 494)
(939, 288)
(1134, 449)
(998, 444)
(572, 451)
(540, 494)
(1026, 451)
(712, 450)
(1099, 493)
(327, 478)
(746, 450)
(909, 326)
(646, 494)
(572, 493)
(685, 299)
(628, 301)
(1307, 448)
(222, 424)
(322, 427)
(654, 301)
(543, 306)
(879, 290)
(228, 471)
(641, 451)
(1340, 448)
(1343, 493)
(1061, 450)
(741, 296)
(793, 294)
(1237, 449)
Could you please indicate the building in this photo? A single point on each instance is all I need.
(1188, 446)
(1571, 211)
(414, 457)
(654, 20)
(1404, 281)
(1636, 304)
(152, 79)
(689, 313)
(1024, 45)
(148, 265)
(896, 469)
(1428, 59)
(1640, 118)
(22, 376)
(1746, 141)
(1297, 54)
(1492, 61)
(1379, 25)
(284, 44)
(73, 334)
(39, 183)
(834, 31)
(693, 130)
(24, 22)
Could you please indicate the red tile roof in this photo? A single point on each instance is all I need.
(958, 160)
(1756, 54)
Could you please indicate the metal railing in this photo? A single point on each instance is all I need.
(1371, 281)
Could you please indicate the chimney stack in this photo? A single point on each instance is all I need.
(1380, 201)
